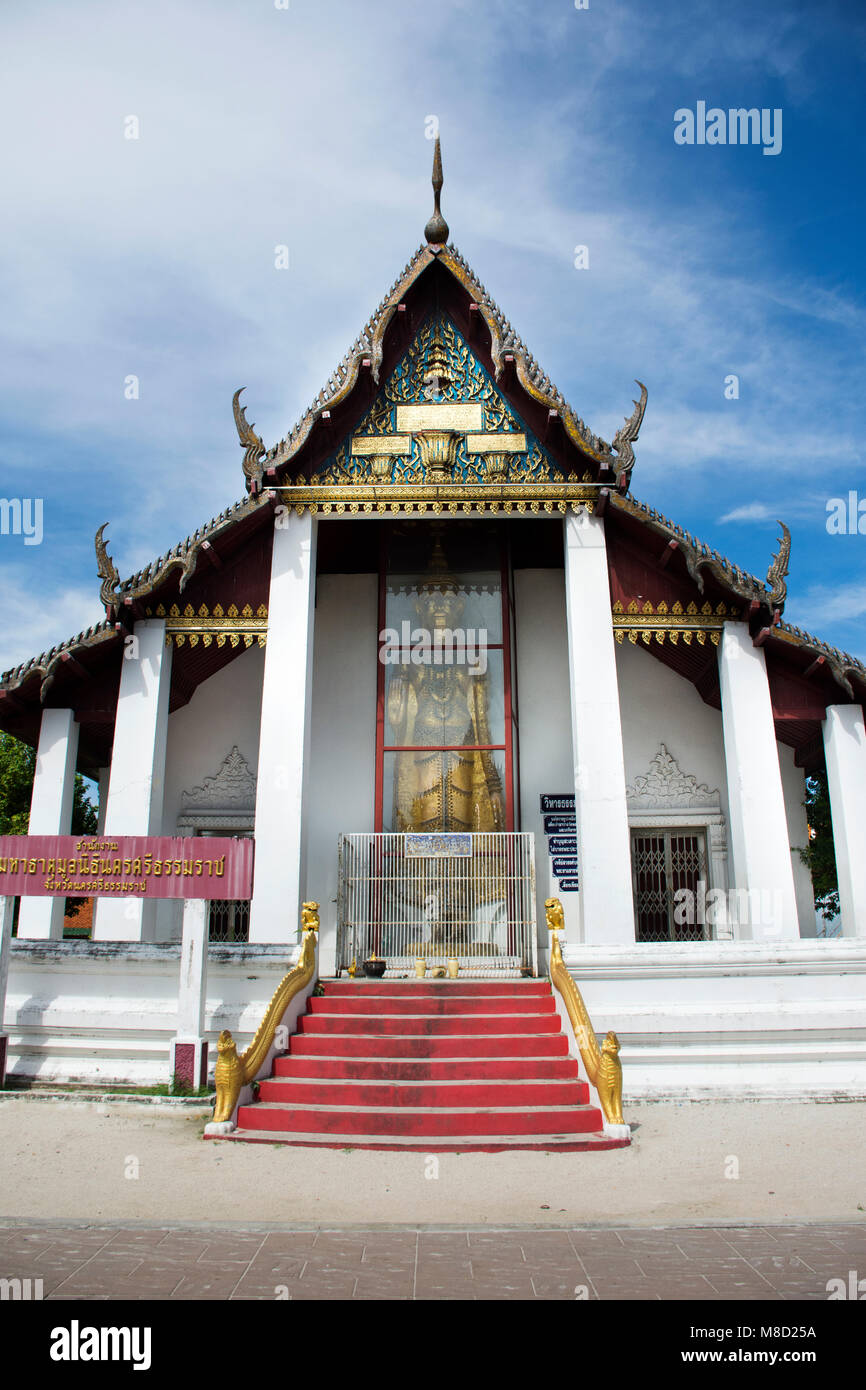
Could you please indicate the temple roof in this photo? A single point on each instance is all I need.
(437, 273)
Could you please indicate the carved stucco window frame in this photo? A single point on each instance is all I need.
(665, 798)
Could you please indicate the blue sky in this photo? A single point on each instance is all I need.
(305, 126)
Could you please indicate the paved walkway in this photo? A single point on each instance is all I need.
(148, 1262)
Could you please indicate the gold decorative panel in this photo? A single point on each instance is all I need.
(496, 443)
(218, 626)
(443, 415)
(645, 623)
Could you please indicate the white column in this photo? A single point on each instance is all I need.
(51, 812)
(604, 850)
(845, 752)
(760, 843)
(7, 912)
(189, 1048)
(284, 742)
(135, 785)
(104, 774)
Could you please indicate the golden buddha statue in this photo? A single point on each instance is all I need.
(443, 706)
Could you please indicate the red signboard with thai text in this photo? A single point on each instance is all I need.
(138, 866)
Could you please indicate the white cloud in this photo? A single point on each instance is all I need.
(822, 605)
(31, 627)
(752, 511)
(809, 506)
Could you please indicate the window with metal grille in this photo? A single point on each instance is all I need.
(664, 862)
(229, 920)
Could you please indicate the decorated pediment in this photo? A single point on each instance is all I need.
(232, 788)
(439, 418)
(664, 786)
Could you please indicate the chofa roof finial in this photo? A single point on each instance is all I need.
(436, 230)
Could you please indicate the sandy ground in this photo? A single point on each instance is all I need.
(794, 1162)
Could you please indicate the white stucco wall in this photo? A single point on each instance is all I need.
(107, 1011)
(794, 789)
(343, 757)
(223, 712)
(659, 706)
(546, 761)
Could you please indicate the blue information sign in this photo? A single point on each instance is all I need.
(569, 885)
(562, 844)
(563, 802)
(565, 867)
(561, 822)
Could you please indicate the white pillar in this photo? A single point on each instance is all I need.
(284, 741)
(7, 912)
(845, 752)
(603, 846)
(189, 1048)
(135, 785)
(51, 812)
(104, 774)
(760, 843)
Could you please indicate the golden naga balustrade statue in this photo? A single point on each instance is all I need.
(232, 1072)
(603, 1066)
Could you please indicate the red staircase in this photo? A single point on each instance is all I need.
(451, 1066)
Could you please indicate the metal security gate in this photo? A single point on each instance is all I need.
(471, 896)
(664, 863)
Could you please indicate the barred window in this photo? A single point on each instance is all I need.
(229, 921)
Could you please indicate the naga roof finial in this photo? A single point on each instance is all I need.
(106, 570)
(436, 230)
(627, 434)
(777, 573)
(254, 449)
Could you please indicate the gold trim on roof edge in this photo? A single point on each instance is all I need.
(667, 624)
(200, 625)
(438, 497)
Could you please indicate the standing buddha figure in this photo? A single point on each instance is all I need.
(442, 706)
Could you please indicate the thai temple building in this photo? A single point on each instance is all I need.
(442, 666)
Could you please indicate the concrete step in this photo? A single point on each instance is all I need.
(420, 1121)
(399, 1046)
(299, 1091)
(454, 1143)
(430, 1005)
(424, 1068)
(489, 989)
(429, 1025)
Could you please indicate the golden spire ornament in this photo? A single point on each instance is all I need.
(436, 230)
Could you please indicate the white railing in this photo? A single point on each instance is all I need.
(437, 896)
